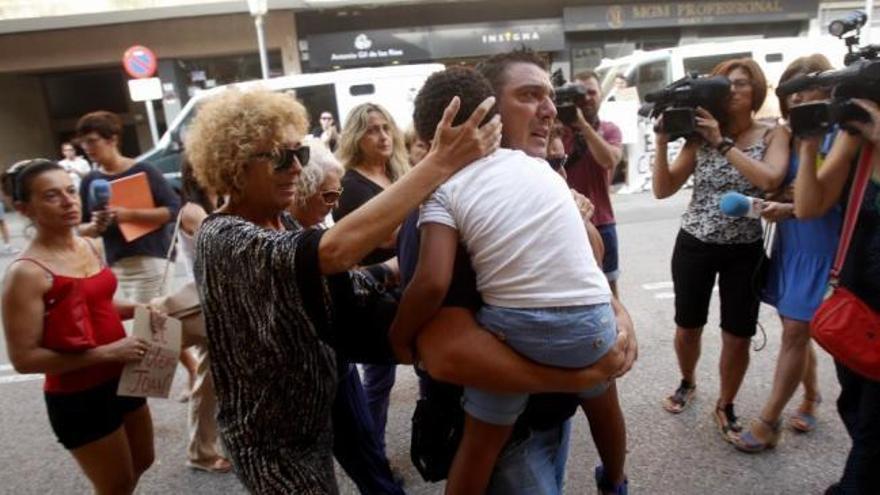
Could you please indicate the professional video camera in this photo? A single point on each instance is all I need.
(859, 79)
(677, 103)
(567, 99)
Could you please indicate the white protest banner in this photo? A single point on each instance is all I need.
(152, 375)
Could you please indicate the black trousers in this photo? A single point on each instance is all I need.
(859, 408)
(355, 440)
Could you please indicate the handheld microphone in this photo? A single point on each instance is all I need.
(734, 204)
(99, 194)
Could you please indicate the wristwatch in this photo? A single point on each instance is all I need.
(724, 146)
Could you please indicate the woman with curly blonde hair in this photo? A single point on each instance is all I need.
(262, 285)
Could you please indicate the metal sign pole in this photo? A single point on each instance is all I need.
(151, 117)
(261, 43)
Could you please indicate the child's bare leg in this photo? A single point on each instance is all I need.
(608, 429)
(475, 459)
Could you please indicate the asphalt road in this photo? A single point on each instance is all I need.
(667, 454)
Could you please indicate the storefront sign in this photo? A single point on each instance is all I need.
(661, 14)
(355, 48)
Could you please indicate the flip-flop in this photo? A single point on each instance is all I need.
(678, 401)
(218, 465)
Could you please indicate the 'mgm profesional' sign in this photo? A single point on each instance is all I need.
(664, 14)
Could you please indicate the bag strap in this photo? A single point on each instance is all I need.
(856, 195)
(171, 250)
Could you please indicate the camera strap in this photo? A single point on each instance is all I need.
(856, 196)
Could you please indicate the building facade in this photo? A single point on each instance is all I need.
(57, 65)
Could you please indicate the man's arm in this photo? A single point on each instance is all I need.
(425, 293)
(625, 333)
(453, 348)
(607, 153)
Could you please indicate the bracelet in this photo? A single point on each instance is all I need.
(724, 146)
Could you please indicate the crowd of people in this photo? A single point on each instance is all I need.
(503, 298)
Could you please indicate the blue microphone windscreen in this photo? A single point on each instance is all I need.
(99, 192)
(735, 204)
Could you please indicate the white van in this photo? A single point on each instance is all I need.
(647, 71)
(394, 87)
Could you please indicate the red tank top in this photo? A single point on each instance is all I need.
(79, 315)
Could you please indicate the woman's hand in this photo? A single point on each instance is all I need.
(776, 212)
(127, 350)
(101, 219)
(870, 130)
(708, 128)
(460, 145)
(661, 139)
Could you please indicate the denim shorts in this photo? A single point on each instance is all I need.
(567, 337)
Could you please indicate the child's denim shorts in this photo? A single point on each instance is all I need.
(567, 337)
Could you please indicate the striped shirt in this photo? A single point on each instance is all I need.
(264, 300)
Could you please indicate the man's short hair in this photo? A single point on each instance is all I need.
(587, 74)
(494, 68)
(469, 85)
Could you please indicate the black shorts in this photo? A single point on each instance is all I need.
(695, 265)
(83, 417)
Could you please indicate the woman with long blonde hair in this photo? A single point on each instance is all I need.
(373, 151)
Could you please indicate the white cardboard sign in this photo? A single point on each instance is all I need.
(152, 375)
(145, 89)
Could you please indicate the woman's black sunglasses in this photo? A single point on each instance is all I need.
(282, 158)
(558, 162)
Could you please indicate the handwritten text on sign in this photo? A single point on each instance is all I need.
(152, 376)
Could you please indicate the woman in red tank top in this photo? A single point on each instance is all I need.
(60, 319)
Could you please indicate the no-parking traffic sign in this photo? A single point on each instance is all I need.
(139, 62)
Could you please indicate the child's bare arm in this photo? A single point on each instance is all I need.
(425, 292)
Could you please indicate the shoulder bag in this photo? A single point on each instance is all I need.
(183, 304)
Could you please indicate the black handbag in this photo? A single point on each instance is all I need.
(437, 426)
(363, 310)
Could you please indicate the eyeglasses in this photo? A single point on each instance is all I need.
(326, 118)
(740, 83)
(282, 158)
(331, 197)
(557, 162)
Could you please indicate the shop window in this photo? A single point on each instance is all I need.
(72, 94)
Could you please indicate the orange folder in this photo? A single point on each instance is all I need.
(133, 192)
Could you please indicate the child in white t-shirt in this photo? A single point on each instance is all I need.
(545, 294)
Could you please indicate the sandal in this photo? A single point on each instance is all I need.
(728, 423)
(678, 401)
(803, 421)
(749, 443)
(218, 465)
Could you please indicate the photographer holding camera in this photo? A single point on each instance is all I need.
(817, 192)
(730, 152)
(594, 150)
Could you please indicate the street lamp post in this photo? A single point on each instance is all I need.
(258, 9)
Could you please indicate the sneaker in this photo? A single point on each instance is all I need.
(603, 486)
(728, 423)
